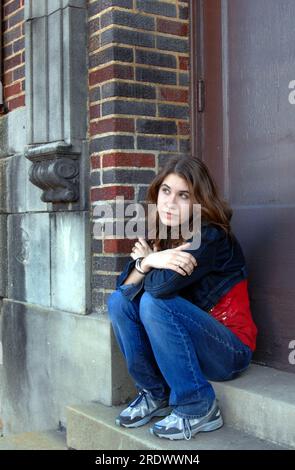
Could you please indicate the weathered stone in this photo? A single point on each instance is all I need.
(19, 194)
(13, 133)
(29, 258)
(55, 170)
(70, 261)
(52, 359)
(3, 255)
(56, 73)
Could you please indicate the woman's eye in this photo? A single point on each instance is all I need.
(183, 196)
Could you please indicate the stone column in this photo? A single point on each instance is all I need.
(56, 352)
(56, 96)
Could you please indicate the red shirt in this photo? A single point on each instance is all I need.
(233, 311)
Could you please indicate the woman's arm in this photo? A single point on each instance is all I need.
(166, 259)
(167, 282)
(135, 277)
(140, 250)
(169, 259)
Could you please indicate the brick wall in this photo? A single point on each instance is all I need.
(138, 102)
(13, 54)
(138, 108)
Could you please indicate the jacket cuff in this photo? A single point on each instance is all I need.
(129, 290)
(125, 273)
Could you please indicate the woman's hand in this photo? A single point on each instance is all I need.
(141, 249)
(181, 262)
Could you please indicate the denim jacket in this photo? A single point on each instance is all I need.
(220, 265)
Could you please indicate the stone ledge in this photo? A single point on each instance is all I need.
(91, 426)
(261, 402)
(258, 409)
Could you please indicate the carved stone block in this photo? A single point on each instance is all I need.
(55, 170)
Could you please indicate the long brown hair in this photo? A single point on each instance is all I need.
(203, 191)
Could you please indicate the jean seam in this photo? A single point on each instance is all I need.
(226, 344)
(239, 351)
(134, 317)
(189, 416)
(188, 353)
(141, 350)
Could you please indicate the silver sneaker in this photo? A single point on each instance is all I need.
(141, 410)
(176, 427)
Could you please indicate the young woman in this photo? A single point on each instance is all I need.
(181, 313)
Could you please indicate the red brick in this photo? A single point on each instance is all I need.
(118, 246)
(12, 90)
(170, 94)
(94, 111)
(95, 161)
(109, 72)
(110, 192)
(112, 125)
(16, 102)
(183, 63)
(183, 128)
(12, 62)
(129, 159)
(8, 78)
(172, 27)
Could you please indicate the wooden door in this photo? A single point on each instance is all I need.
(244, 129)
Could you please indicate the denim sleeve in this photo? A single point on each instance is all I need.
(167, 283)
(129, 290)
(125, 273)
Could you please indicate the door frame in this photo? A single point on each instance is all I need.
(194, 71)
(209, 128)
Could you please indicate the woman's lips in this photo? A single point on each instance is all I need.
(169, 215)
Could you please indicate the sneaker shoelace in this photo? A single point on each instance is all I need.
(182, 424)
(142, 395)
(187, 430)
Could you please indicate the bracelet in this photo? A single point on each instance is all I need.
(137, 266)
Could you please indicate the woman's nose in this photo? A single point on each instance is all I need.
(171, 200)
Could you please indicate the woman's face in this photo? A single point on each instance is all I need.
(174, 202)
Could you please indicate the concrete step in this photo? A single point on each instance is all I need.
(92, 426)
(258, 410)
(48, 440)
(260, 402)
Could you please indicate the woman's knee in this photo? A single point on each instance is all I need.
(148, 307)
(115, 302)
(121, 308)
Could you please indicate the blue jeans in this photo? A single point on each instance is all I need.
(172, 348)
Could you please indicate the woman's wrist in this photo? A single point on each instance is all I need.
(145, 265)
